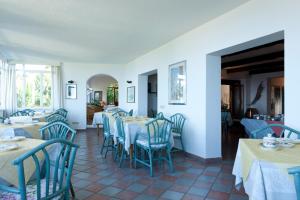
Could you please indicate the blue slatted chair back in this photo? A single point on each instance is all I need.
(62, 111)
(295, 171)
(19, 113)
(285, 130)
(106, 127)
(55, 117)
(30, 112)
(120, 128)
(160, 115)
(178, 122)
(56, 183)
(121, 113)
(159, 131)
(57, 129)
(130, 113)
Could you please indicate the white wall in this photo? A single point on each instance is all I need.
(101, 83)
(252, 20)
(80, 73)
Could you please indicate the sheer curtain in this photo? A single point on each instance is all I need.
(8, 87)
(57, 87)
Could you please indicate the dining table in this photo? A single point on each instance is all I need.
(132, 126)
(263, 171)
(8, 171)
(29, 130)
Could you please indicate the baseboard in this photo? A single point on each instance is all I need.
(204, 160)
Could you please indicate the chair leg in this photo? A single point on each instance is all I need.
(134, 155)
(170, 160)
(150, 162)
(122, 156)
(107, 146)
(117, 150)
(182, 144)
(72, 190)
(103, 144)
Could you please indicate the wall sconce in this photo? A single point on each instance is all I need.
(129, 82)
(71, 81)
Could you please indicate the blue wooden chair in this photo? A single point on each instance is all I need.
(63, 112)
(55, 117)
(55, 185)
(30, 112)
(160, 115)
(285, 131)
(156, 139)
(177, 127)
(295, 171)
(108, 140)
(19, 113)
(120, 139)
(121, 113)
(130, 113)
(57, 129)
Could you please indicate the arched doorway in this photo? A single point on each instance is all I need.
(101, 91)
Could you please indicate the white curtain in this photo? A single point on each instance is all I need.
(57, 87)
(8, 87)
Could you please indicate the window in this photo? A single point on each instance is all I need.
(33, 84)
(112, 95)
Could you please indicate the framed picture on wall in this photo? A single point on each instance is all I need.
(98, 96)
(131, 94)
(71, 91)
(177, 83)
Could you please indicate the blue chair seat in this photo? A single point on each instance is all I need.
(121, 140)
(145, 143)
(176, 134)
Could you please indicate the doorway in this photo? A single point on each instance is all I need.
(147, 95)
(252, 92)
(101, 92)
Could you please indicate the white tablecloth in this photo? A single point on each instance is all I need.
(97, 119)
(266, 181)
(131, 128)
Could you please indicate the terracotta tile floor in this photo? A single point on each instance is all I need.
(98, 178)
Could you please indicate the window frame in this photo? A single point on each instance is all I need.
(40, 73)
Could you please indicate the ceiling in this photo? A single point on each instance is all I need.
(261, 59)
(98, 31)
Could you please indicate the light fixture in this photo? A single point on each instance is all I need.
(129, 82)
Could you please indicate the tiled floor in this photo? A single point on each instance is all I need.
(98, 178)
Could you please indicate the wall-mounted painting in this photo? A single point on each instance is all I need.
(177, 83)
(131, 94)
(98, 96)
(71, 91)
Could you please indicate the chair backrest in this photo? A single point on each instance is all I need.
(159, 131)
(252, 125)
(106, 127)
(130, 113)
(62, 112)
(120, 128)
(1, 119)
(57, 182)
(55, 117)
(285, 130)
(121, 113)
(57, 129)
(19, 113)
(160, 115)
(295, 171)
(178, 122)
(30, 112)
